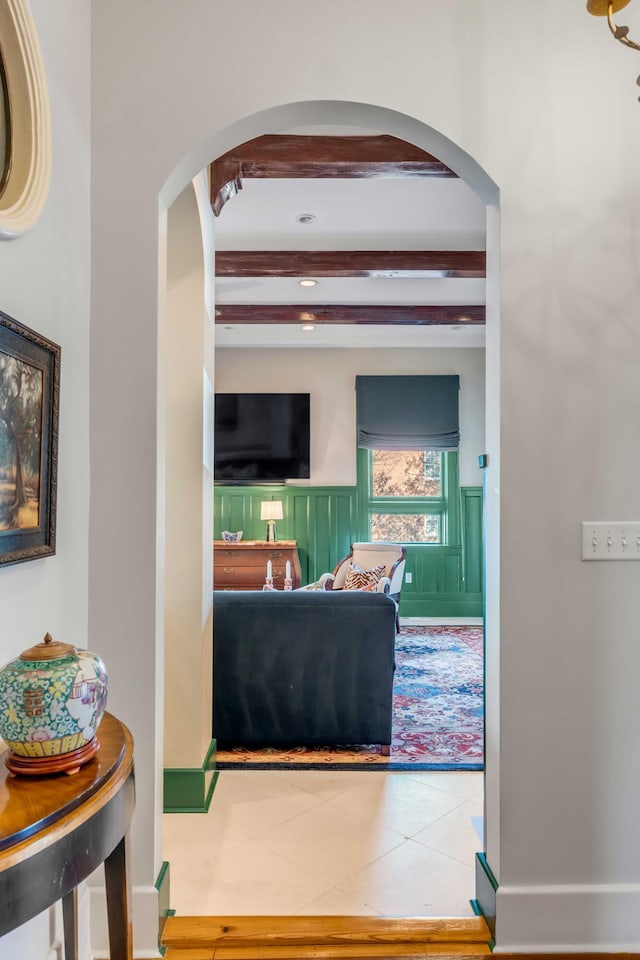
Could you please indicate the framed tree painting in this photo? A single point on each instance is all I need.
(29, 400)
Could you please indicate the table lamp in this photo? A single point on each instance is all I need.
(271, 510)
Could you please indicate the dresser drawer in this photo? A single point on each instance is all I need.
(243, 566)
(228, 575)
(260, 556)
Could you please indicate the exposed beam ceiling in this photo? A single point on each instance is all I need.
(407, 200)
(351, 263)
(390, 314)
(294, 156)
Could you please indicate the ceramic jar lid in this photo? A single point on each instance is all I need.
(49, 649)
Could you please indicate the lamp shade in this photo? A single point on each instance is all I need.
(600, 8)
(271, 510)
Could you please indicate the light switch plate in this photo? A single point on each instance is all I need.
(613, 540)
(408, 578)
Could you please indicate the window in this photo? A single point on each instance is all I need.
(405, 473)
(405, 527)
(405, 494)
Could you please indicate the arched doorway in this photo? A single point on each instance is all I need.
(377, 118)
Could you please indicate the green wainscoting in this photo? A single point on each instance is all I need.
(446, 580)
(323, 520)
(471, 507)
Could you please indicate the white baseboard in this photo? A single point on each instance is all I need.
(41, 937)
(145, 923)
(568, 919)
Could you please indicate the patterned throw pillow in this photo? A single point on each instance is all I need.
(359, 579)
(316, 585)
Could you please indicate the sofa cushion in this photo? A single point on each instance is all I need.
(359, 579)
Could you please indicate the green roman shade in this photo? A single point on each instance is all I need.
(408, 413)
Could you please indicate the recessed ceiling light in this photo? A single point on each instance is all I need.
(306, 218)
(308, 326)
(308, 282)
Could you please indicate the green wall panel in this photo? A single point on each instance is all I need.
(322, 537)
(446, 579)
(321, 519)
(451, 563)
(472, 513)
(424, 565)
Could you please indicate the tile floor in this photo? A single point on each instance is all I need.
(328, 842)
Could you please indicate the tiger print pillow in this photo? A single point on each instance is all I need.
(359, 579)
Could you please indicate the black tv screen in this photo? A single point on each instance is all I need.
(261, 437)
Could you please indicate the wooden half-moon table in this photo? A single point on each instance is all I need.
(55, 830)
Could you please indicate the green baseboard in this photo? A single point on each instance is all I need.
(440, 605)
(189, 789)
(163, 886)
(486, 888)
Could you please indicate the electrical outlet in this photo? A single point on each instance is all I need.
(408, 578)
(615, 540)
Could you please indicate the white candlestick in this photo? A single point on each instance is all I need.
(288, 570)
(269, 570)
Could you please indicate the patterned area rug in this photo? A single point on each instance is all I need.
(437, 713)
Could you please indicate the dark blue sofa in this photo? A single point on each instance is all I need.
(302, 668)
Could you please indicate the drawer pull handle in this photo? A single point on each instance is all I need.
(228, 569)
(230, 553)
(275, 554)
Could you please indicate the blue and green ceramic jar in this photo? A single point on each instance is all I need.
(52, 698)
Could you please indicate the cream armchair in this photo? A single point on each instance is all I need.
(367, 556)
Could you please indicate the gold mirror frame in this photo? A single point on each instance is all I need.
(5, 130)
(26, 173)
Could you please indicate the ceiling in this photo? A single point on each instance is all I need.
(372, 213)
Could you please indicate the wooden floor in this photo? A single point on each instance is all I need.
(323, 938)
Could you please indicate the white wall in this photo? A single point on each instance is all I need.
(44, 284)
(554, 121)
(329, 376)
(188, 493)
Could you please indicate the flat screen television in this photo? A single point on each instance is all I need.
(261, 437)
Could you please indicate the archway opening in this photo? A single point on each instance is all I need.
(349, 115)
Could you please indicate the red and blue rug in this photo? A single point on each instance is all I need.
(438, 713)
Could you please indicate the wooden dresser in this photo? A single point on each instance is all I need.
(243, 566)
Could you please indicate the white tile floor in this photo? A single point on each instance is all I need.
(328, 842)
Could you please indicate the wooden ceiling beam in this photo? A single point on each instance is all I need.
(350, 313)
(278, 155)
(351, 263)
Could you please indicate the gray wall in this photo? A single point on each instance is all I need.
(44, 284)
(542, 99)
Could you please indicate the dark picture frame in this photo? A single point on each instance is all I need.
(29, 413)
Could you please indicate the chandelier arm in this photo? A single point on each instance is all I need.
(613, 27)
